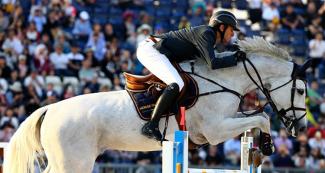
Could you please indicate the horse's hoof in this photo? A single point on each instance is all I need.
(257, 158)
(268, 150)
(266, 144)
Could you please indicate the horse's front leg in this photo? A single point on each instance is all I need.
(265, 127)
(231, 127)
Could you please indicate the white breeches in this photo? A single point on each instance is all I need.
(158, 64)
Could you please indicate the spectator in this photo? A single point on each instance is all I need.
(317, 142)
(144, 31)
(317, 51)
(9, 117)
(317, 47)
(3, 87)
(184, 23)
(271, 17)
(283, 139)
(321, 12)
(108, 66)
(129, 25)
(87, 73)
(82, 26)
(17, 16)
(4, 69)
(89, 54)
(15, 96)
(21, 113)
(255, 11)
(104, 88)
(22, 67)
(97, 43)
(290, 19)
(109, 32)
(117, 86)
(53, 21)
(61, 40)
(68, 92)
(313, 160)
(75, 59)
(9, 5)
(4, 20)
(232, 151)
(60, 61)
(197, 18)
(32, 99)
(214, 157)
(37, 81)
(301, 144)
(315, 99)
(282, 157)
(51, 97)
(314, 27)
(38, 17)
(12, 45)
(6, 132)
(311, 13)
(300, 158)
(319, 127)
(41, 60)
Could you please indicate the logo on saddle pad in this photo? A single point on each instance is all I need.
(145, 91)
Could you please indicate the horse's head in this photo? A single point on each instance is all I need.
(287, 98)
(284, 90)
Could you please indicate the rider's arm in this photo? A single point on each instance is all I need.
(225, 59)
(214, 60)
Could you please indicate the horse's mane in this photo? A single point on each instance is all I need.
(257, 45)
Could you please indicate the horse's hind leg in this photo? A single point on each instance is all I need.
(70, 157)
(79, 162)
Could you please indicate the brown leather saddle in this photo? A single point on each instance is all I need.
(145, 91)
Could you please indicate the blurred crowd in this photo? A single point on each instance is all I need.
(56, 49)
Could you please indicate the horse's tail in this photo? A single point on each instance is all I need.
(25, 145)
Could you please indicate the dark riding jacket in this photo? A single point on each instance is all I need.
(192, 43)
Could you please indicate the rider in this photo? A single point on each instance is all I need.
(157, 52)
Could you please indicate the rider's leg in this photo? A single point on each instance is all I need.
(164, 103)
(160, 66)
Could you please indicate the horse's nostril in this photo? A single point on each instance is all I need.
(302, 129)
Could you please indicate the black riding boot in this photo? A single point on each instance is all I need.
(164, 103)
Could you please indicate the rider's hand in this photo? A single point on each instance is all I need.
(240, 55)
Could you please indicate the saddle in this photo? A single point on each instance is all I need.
(145, 91)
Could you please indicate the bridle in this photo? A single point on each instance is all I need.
(289, 122)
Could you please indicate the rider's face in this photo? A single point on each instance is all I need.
(228, 34)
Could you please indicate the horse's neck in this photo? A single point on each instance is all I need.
(236, 78)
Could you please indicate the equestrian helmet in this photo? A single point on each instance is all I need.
(223, 17)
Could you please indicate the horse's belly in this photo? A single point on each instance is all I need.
(108, 120)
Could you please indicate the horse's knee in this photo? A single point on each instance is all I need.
(264, 124)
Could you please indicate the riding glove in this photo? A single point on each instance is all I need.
(240, 55)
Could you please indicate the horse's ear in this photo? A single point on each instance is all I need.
(300, 70)
(307, 64)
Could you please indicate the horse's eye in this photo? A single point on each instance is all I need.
(301, 91)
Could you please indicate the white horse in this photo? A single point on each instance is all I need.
(73, 132)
